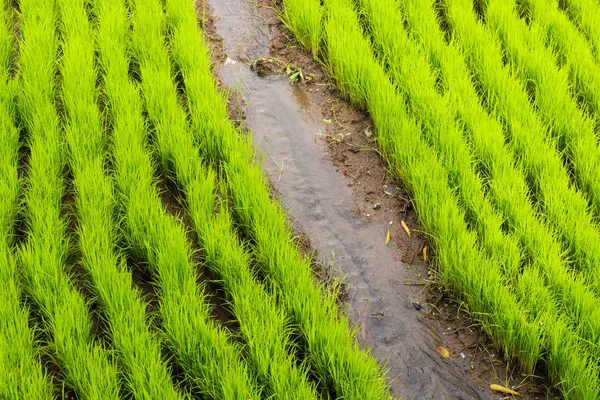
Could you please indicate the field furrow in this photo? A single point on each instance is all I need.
(85, 366)
(138, 347)
(22, 374)
(211, 363)
(262, 325)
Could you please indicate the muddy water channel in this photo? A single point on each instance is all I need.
(346, 211)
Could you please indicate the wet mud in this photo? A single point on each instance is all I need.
(323, 164)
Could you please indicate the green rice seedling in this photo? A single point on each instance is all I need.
(586, 14)
(574, 50)
(304, 17)
(408, 64)
(210, 362)
(22, 374)
(84, 365)
(139, 351)
(410, 71)
(262, 325)
(536, 67)
(330, 347)
(541, 165)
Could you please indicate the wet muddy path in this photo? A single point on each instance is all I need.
(323, 164)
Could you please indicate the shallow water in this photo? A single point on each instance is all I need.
(320, 199)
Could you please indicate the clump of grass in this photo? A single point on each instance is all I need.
(263, 326)
(22, 374)
(586, 14)
(137, 346)
(332, 352)
(304, 18)
(85, 366)
(210, 362)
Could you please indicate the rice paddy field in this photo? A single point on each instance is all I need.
(143, 256)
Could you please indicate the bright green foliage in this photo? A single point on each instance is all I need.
(138, 348)
(466, 270)
(586, 13)
(408, 66)
(200, 348)
(85, 366)
(549, 87)
(574, 52)
(262, 325)
(332, 353)
(545, 167)
(410, 71)
(22, 375)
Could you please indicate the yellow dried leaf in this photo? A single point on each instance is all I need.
(425, 253)
(405, 227)
(388, 237)
(502, 389)
(444, 352)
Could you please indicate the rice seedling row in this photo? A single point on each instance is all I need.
(262, 325)
(19, 354)
(84, 364)
(138, 347)
(576, 296)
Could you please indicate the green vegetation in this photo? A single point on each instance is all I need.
(549, 88)
(567, 41)
(211, 363)
(586, 14)
(519, 174)
(22, 374)
(85, 366)
(262, 326)
(485, 109)
(139, 350)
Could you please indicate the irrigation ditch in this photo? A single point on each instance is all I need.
(324, 167)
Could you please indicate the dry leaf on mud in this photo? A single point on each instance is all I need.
(502, 389)
(405, 228)
(444, 352)
(425, 253)
(388, 237)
